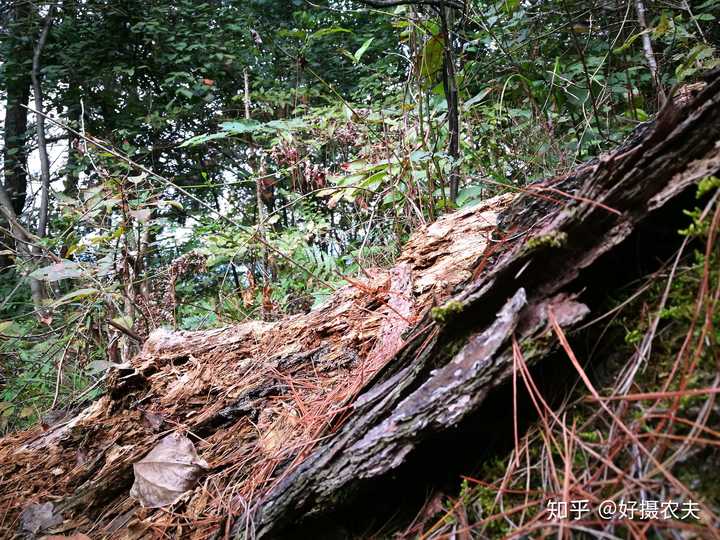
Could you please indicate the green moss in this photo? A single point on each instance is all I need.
(707, 184)
(537, 345)
(444, 313)
(553, 239)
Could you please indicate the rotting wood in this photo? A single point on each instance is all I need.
(426, 390)
(295, 416)
(258, 394)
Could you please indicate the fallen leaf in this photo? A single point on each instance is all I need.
(55, 272)
(152, 420)
(38, 517)
(168, 472)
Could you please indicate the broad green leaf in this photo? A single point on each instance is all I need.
(170, 202)
(184, 92)
(6, 408)
(431, 57)
(662, 26)
(201, 139)
(285, 125)
(477, 98)
(469, 193)
(373, 181)
(26, 412)
(241, 126)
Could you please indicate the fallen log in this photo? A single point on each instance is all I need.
(298, 420)
(462, 351)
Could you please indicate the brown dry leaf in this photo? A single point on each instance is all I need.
(152, 420)
(167, 472)
(38, 517)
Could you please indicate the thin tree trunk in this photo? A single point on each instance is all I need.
(648, 50)
(16, 117)
(451, 96)
(42, 145)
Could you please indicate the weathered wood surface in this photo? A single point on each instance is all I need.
(425, 390)
(254, 397)
(296, 416)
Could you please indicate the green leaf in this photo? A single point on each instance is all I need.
(184, 92)
(511, 6)
(629, 41)
(241, 126)
(285, 125)
(201, 139)
(328, 31)
(477, 98)
(431, 57)
(662, 26)
(469, 193)
(169, 202)
(124, 321)
(6, 408)
(76, 295)
(26, 412)
(373, 181)
(363, 48)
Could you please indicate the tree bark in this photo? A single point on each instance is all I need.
(451, 97)
(16, 116)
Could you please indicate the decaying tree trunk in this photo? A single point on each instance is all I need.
(427, 388)
(301, 418)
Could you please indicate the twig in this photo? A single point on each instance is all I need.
(58, 377)
(124, 330)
